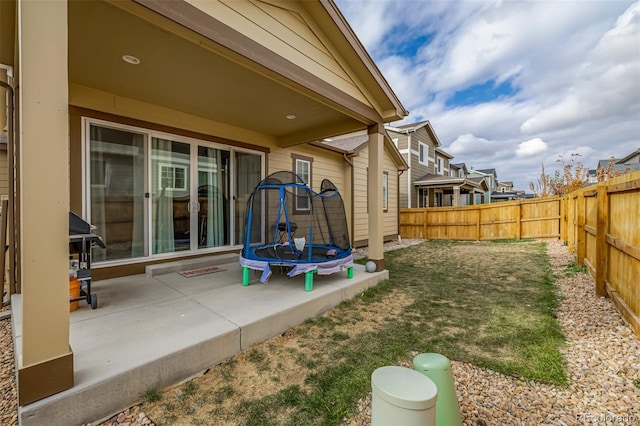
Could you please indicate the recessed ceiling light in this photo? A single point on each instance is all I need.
(291, 117)
(131, 59)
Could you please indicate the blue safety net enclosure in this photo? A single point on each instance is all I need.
(290, 225)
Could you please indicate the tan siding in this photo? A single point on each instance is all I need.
(360, 187)
(286, 29)
(325, 164)
(402, 192)
(86, 97)
(390, 217)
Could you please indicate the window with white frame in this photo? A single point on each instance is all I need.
(385, 191)
(302, 168)
(423, 153)
(439, 166)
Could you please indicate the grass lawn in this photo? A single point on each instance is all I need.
(489, 304)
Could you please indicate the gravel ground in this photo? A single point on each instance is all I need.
(9, 406)
(602, 354)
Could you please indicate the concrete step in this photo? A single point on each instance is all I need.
(187, 264)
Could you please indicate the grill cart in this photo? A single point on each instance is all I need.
(81, 240)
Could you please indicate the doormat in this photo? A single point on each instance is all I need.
(201, 271)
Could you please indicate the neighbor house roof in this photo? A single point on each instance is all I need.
(353, 143)
(443, 153)
(479, 180)
(487, 171)
(628, 157)
(437, 181)
(410, 128)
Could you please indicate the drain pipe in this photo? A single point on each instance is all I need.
(13, 286)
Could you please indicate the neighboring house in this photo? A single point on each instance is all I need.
(447, 191)
(421, 149)
(490, 176)
(628, 164)
(356, 149)
(431, 180)
(504, 186)
(497, 196)
(458, 170)
(504, 192)
(154, 120)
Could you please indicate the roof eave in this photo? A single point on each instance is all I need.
(398, 111)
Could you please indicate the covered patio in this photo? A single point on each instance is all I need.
(160, 328)
(440, 191)
(253, 78)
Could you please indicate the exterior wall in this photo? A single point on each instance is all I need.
(126, 109)
(361, 216)
(287, 29)
(326, 164)
(403, 143)
(85, 97)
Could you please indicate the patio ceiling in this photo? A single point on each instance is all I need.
(182, 70)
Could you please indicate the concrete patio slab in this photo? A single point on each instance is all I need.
(155, 330)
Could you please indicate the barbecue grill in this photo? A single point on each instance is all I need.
(81, 240)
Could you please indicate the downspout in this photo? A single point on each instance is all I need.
(13, 288)
(400, 173)
(409, 183)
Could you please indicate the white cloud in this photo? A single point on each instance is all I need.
(531, 147)
(472, 145)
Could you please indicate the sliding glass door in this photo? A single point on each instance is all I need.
(116, 186)
(155, 194)
(248, 168)
(170, 195)
(213, 197)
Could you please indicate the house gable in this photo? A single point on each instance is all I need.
(306, 34)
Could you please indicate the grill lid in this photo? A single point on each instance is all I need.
(77, 225)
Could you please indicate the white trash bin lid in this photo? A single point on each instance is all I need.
(404, 387)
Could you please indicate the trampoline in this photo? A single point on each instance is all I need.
(291, 226)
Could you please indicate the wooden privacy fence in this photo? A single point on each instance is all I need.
(599, 223)
(536, 218)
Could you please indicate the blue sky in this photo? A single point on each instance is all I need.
(512, 84)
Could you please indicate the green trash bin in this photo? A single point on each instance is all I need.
(438, 368)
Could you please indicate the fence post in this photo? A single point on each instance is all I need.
(602, 250)
(580, 243)
(424, 228)
(519, 221)
(562, 223)
(478, 223)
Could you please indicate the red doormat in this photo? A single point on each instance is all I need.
(201, 271)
